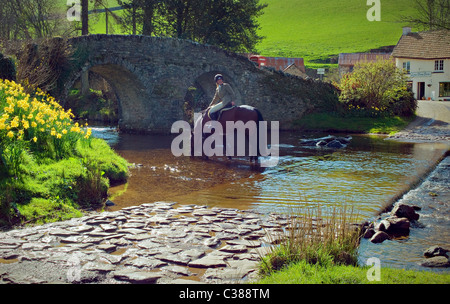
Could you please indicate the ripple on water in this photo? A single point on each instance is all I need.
(365, 175)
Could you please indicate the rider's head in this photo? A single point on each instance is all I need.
(218, 78)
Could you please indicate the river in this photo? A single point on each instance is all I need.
(365, 176)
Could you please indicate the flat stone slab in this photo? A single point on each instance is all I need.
(145, 263)
(208, 262)
(107, 247)
(234, 248)
(137, 277)
(64, 233)
(139, 244)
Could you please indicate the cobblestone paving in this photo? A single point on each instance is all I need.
(152, 243)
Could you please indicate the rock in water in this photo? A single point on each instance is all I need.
(335, 144)
(435, 251)
(330, 141)
(396, 226)
(380, 237)
(437, 261)
(109, 203)
(403, 210)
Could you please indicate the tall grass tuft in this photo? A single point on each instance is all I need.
(314, 236)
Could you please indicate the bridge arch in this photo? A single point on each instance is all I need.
(131, 92)
(205, 88)
(151, 77)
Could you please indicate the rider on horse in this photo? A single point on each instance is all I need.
(224, 96)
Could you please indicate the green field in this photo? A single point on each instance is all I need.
(313, 30)
(317, 29)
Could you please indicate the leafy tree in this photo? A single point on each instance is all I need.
(28, 19)
(132, 18)
(182, 17)
(430, 14)
(376, 88)
(230, 24)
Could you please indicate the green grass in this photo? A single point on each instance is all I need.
(312, 30)
(315, 30)
(334, 122)
(41, 210)
(114, 166)
(320, 247)
(306, 273)
(50, 190)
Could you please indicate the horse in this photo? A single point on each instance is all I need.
(243, 114)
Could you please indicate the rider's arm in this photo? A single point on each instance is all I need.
(230, 93)
(215, 98)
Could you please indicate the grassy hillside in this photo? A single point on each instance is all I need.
(313, 30)
(317, 29)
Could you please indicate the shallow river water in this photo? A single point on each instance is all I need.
(365, 176)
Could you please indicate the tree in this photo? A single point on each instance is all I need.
(132, 18)
(143, 14)
(377, 88)
(84, 17)
(430, 15)
(230, 24)
(180, 16)
(28, 19)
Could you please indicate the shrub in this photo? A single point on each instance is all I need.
(41, 66)
(7, 68)
(376, 89)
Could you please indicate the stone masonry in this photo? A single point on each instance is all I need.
(160, 242)
(152, 75)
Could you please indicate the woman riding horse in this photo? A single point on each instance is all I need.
(224, 94)
(243, 114)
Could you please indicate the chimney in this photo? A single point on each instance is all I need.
(406, 30)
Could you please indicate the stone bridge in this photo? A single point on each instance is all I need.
(152, 76)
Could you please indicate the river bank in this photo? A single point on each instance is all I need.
(431, 196)
(432, 200)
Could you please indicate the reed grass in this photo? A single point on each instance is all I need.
(316, 235)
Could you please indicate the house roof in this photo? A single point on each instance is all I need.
(424, 45)
(350, 59)
(293, 69)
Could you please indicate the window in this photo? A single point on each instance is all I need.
(407, 66)
(444, 89)
(439, 65)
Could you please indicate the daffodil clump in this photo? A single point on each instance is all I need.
(50, 166)
(36, 122)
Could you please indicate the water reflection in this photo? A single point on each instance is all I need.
(365, 175)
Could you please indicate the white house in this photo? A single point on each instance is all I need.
(426, 58)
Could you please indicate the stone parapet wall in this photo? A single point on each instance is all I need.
(151, 77)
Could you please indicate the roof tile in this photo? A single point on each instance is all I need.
(424, 45)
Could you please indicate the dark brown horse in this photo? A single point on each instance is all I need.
(242, 114)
